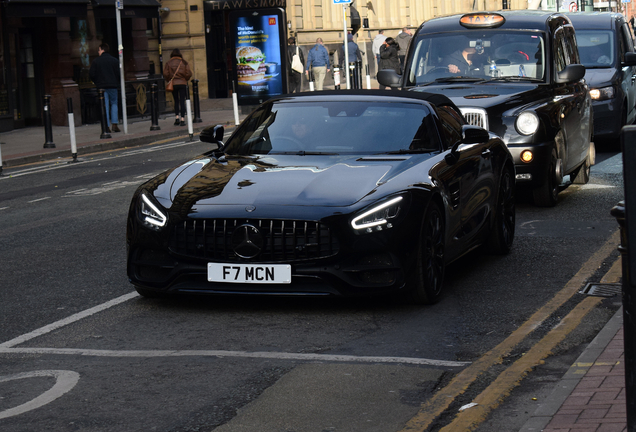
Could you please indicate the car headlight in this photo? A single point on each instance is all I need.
(604, 93)
(151, 213)
(378, 217)
(527, 123)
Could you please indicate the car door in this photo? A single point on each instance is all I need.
(469, 183)
(628, 83)
(573, 99)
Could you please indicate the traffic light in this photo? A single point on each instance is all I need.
(356, 23)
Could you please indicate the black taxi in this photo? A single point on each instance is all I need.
(518, 75)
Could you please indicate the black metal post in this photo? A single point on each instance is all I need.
(154, 109)
(102, 108)
(48, 128)
(625, 213)
(195, 102)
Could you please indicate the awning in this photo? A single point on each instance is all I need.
(43, 8)
(132, 8)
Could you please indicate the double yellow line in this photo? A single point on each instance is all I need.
(499, 389)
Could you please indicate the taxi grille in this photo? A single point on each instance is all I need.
(284, 241)
(475, 117)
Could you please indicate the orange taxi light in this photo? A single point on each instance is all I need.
(480, 20)
(526, 156)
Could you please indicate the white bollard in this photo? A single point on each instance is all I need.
(189, 111)
(236, 112)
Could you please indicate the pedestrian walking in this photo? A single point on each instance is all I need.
(177, 71)
(318, 62)
(389, 57)
(378, 41)
(354, 50)
(403, 40)
(295, 77)
(104, 73)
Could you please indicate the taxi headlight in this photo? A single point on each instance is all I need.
(604, 93)
(527, 123)
(378, 217)
(152, 214)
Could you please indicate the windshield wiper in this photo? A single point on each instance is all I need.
(515, 78)
(454, 79)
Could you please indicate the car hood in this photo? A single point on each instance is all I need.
(485, 95)
(285, 180)
(599, 77)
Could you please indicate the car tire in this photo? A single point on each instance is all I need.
(503, 232)
(582, 175)
(547, 194)
(426, 286)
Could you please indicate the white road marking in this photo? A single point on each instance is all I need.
(58, 165)
(64, 382)
(3, 208)
(9, 347)
(66, 321)
(39, 199)
(242, 354)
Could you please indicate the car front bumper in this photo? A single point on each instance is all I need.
(533, 173)
(607, 119)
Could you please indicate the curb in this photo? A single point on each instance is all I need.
(546, 410)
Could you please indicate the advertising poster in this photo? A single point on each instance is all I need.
(259, 64)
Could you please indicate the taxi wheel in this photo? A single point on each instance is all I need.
(547, 194)
(583, 173)
(426, 287)
(503, 232)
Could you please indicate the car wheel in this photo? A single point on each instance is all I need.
(546, 195)
(430, 267)
(503, 232)
(148, 293)
(583, 173)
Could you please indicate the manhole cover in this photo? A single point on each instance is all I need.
(602, 289)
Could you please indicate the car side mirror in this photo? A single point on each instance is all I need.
(470, 135)
(389, 78)
(571, 73)
(213, 135)
(630, 59)
(474, 134)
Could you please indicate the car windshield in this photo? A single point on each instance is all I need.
(596, 48)
(478, 55)
(335, 127)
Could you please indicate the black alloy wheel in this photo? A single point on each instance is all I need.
(503, 232)
(430, 268)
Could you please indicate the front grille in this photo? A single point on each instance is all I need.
(283, 240)
(475, 117)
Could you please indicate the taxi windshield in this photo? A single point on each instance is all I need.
(478, 55)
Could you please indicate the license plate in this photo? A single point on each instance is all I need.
(250, 273)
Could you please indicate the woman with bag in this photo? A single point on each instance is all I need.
(177, 73)
(389, 58)
(295, 65)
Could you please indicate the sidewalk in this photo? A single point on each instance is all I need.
(591, 395)
(26, 145)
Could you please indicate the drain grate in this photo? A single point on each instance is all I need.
(602, 289)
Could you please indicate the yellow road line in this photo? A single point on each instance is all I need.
(441, 400)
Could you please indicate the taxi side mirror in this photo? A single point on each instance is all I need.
(213, 135)
(571, 73)
(389, 78)
(630, 59)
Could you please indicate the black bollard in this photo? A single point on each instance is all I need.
(154, 110)
(195, 101)
(102, 105)
(48, 128)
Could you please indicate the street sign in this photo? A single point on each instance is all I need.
(573, 7)
(341, 1)
(119, 4)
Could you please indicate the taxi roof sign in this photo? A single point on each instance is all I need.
(482, 20)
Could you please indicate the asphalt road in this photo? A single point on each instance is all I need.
(79, 350)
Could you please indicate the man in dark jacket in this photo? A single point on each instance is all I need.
(104, 72)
